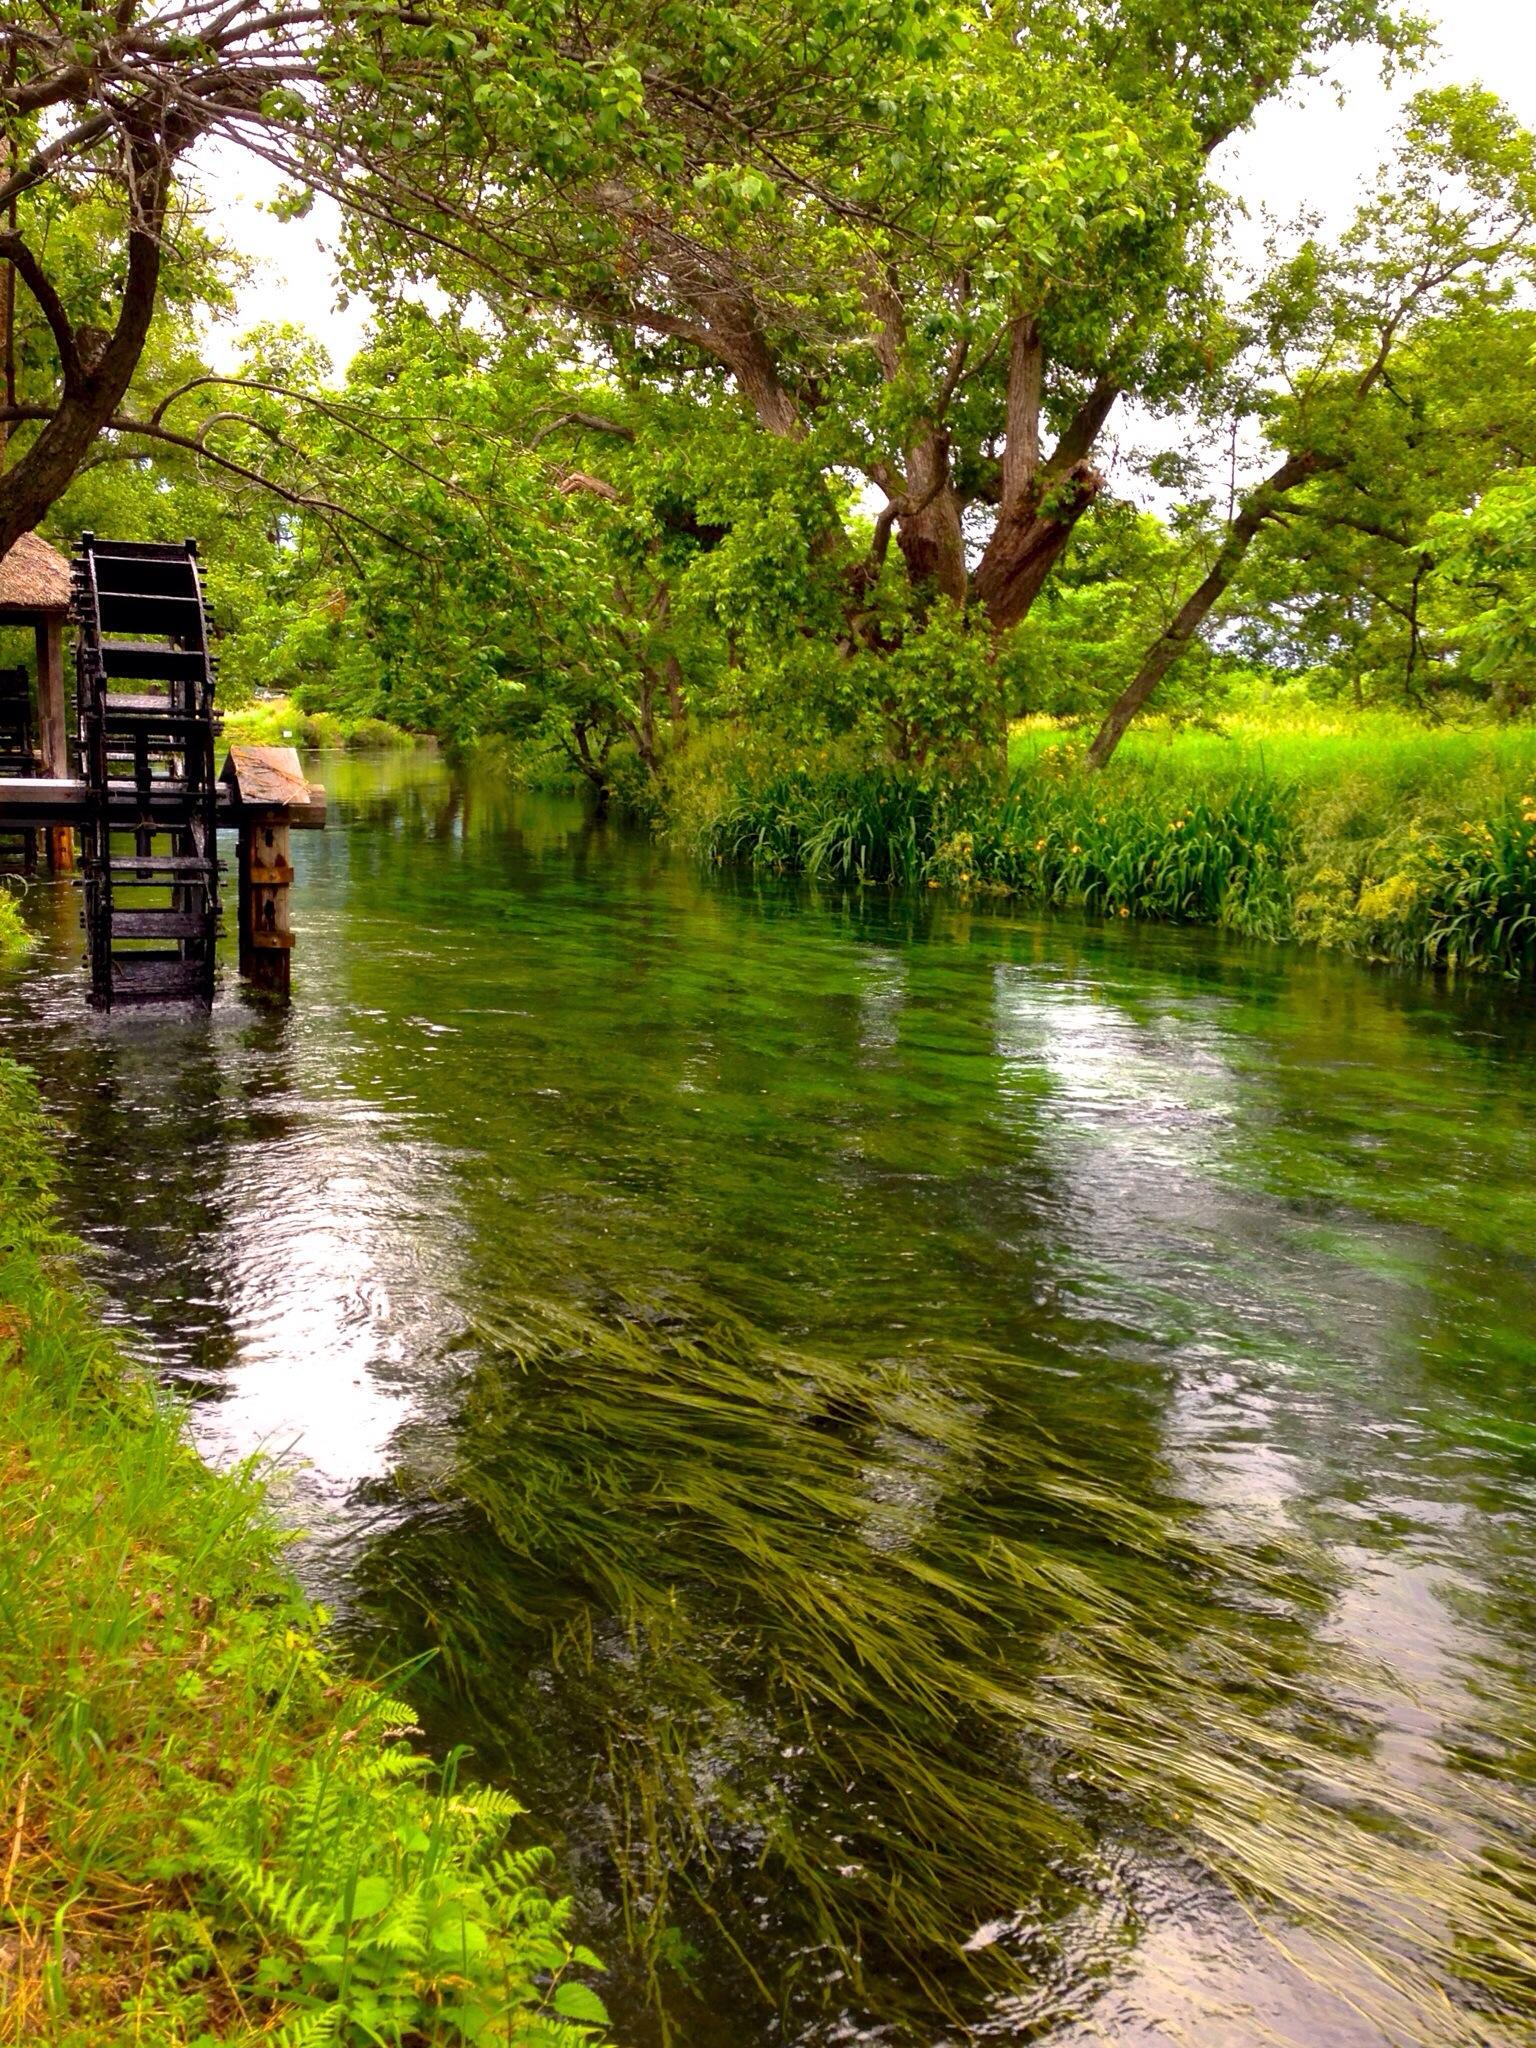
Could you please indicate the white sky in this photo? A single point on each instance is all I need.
(1310, 152)
(1307, 152)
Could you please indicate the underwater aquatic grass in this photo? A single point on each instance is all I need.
(872, 1661)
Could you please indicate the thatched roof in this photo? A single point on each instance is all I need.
(34, 579)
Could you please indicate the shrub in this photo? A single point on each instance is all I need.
(1477, 899)
(14, 936)
(1050, 834)
(370, 732)
(280, 721)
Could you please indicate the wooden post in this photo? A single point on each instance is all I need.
(271, 797)
(49, 637)
(266, 876)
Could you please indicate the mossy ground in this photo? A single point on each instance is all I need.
(209, 1833)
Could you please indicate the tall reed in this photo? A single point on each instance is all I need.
(1381, 838)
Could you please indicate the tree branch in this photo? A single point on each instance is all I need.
(14, 250)
(591, 421)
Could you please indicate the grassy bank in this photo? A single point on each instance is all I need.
(207, 1832)
(13, 933)
(278, 721)
(1370, 833)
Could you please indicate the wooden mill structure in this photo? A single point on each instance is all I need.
(35, 595)
(144, 796)
(144, 696)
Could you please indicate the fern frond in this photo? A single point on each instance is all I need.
(311, 2030)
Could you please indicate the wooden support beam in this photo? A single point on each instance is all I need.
(266, 876)
(270, 797)
(52, 730)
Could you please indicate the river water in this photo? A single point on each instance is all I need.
(975, 1472)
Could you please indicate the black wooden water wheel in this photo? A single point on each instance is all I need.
(147, 730)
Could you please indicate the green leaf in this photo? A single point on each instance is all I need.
(371, 1895)
(580, 2002)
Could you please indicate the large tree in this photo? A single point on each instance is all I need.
(1339, 340)
(931, 245)
(105, 107)
(1348, 585)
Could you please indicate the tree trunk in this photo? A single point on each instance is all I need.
(1027, 544)
(1174, 642)
(677, 703)
(1041, 501)
(1022, 453)
(642, 728)
(593, 766)
(929, 536)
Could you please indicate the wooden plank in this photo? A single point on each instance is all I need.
(266, 776)
(152, 977)
(157, 923)
(38, 799)
(266, 932)
(268, 782)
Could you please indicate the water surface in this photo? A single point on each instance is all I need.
(975, 1472)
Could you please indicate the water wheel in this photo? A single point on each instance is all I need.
(147, 729)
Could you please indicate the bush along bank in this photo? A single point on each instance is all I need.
(278, 721)
(1434, 869)
(14, 937)
(208, 1833)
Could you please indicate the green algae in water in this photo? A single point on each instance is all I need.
(886, 1700)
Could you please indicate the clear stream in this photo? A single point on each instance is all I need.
(976, 1472)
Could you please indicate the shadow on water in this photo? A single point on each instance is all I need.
(975, 1472)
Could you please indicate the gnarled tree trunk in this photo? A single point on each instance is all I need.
(1042, 498)
(929, 536)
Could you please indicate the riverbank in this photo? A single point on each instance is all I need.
(278, 721)
(207, 1831)
(13, 933)
(1366, 832)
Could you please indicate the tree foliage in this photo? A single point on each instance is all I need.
(772, 354)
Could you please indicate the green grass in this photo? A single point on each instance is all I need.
(14, 937)
(208, 1832)
(1312, 746)
(278, 721)
(1367, 832)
